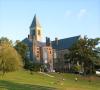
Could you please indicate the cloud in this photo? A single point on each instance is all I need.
(82, 13)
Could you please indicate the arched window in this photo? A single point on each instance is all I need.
(39, 32)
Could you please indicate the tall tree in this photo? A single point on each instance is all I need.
(83, 51)
(22, 49)
(6, 40)
(10, 60)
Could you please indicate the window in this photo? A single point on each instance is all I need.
(50, 52)
(37, 51)
(38, 32)
(37, 55)
(37, 48)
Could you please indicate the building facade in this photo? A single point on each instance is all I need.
(50, 53)
(39, 52)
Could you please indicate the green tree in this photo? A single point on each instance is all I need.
(97, 60)
(6, 40)
(10, 60)
(22, 50)
(83, 51)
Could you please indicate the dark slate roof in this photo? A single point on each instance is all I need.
(29, 43)
(35, 22)
(64, 43)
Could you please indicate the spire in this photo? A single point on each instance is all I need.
(35, 22)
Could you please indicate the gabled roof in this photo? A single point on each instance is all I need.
(64, 43)
(35, 22)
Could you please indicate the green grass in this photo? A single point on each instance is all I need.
(23, 80)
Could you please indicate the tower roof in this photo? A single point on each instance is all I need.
(35, 22)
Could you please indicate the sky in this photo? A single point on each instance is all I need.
(58, 18)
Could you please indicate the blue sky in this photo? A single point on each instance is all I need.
(58, 18)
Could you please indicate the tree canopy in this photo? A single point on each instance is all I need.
(21, 49)
(6, 41)
(10, 60)
(83, 51)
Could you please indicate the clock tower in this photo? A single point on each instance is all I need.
(36, 29)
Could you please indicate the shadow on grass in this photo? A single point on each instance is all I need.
(18, 86)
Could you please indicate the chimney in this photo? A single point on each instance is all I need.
(56, 40)
(28, 36)
(48, 41)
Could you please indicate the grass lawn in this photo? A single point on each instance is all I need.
(23, 80)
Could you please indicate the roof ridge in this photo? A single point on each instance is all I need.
(68, 38)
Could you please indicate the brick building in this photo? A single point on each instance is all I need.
(49, 52)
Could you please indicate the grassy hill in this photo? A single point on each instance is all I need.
(23, 80)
